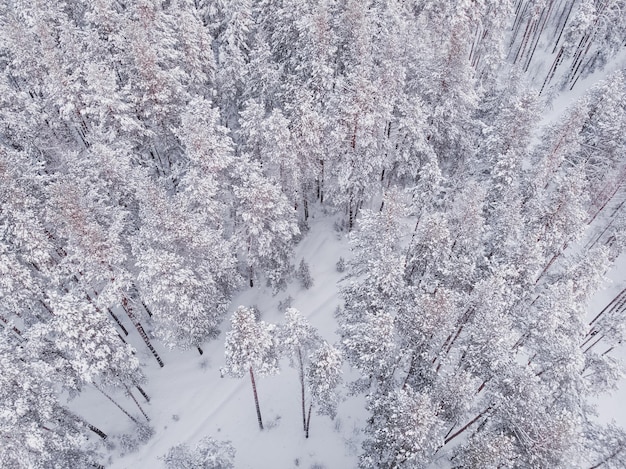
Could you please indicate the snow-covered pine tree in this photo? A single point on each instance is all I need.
(323, 377)
(250, 346)
(35, 428)
(186, 267)
(265, 225)
(298, 339)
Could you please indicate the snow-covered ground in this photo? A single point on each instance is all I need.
(189, 399)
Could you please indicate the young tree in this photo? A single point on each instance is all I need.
(250, 346)
(323, 380)
(298, 338)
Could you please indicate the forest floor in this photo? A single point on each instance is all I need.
(190, 400)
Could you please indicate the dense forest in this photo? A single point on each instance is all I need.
(158, 157)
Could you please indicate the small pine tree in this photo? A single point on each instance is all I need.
(341, 265)
(298, 338)
(303, 274)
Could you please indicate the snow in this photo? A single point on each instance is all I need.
(189, 399)
(612, 407)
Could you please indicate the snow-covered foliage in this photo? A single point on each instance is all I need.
(163, 161)
(250, 344)
(207, 454)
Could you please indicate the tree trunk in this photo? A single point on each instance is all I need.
(302, 389)
(115, 403)
(200, 351)
(97, 431)
(130, 394)
(321, 183)
(111, 313)
(142, 333)
(308, 421)
(305, 205)
(143, 393)
(256, 400)
(91, 427)
(448, 439)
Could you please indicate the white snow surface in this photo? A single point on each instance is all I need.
(189, 399)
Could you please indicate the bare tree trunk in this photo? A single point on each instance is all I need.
(142, 333)
(616, 302)
(143, 393)
(115, 403)
(256, 400)
(130, 394)
(301, 370)
(111, 313)
(305, 205)
(465, 427)
(308, 421)
(91, 427)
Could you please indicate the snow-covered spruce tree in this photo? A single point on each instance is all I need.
(303, 274)
(250, 346)
(207, 454)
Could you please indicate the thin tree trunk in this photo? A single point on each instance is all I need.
(308, 421)
(146, 308)
(571, 6)
(140, 330)
(111, 313)
(117, 321)
(200, 351)
(91, 427)
(301, 364)
(256, 400)
(465, 427)
(143, 393)
(615, 302)
(130, 394)
(321, 183)
(97, 431)
(115, 403)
